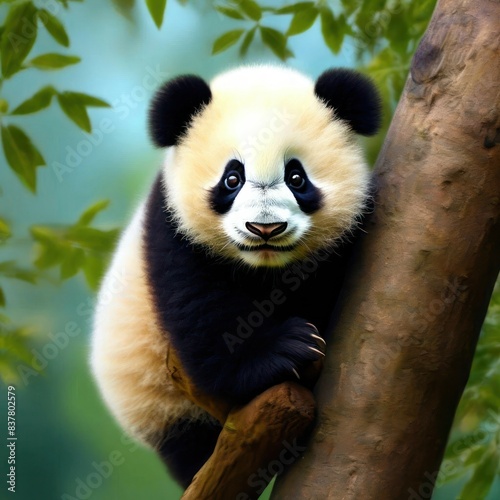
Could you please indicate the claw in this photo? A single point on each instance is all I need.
(317, 337)
(296, 373)
(313, 327)
(316, 350)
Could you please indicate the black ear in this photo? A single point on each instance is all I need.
(173, 107)
(353, 97)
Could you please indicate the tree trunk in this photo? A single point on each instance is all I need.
(419, 286)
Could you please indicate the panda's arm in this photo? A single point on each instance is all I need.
(209, 328)
(203, 310)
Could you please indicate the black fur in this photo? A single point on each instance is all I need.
(308, 196)
(173, 107)
(221, 198)
(187, 445)
(219, 315)
(353, 97)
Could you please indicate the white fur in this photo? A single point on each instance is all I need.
(272, 205)
(129, 351)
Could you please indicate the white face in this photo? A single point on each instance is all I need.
(265, 175)
(265, 220)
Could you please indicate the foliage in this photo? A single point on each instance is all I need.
(18, 36)
(156, 9)
(474, 447)
(14, 341)
(77, 247)
(383, 33)
(74, 247)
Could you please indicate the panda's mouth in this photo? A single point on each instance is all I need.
(266, 246)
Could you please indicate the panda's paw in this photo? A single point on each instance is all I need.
(300, 349)
(291, 351)
(320, 341)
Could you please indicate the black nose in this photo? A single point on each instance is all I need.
(266, 231)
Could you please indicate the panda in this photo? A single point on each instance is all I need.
(236, 257)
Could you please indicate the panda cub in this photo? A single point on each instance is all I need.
(235, 259)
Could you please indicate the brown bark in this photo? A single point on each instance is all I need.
(253, 437)
(402, 347)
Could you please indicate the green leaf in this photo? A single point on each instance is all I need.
(91, 238)
(72, 263)
(451, 469)
(276, 41)
(5, 232)
(54, 27)
(88, 216)
(94, 268)
(4, 106)
(481, 481)
(251, 8)
(124, 7)
(226, 40)
(14, 347)
(397, 31)
(229, 12)
(247, 40)
(88, 100)
(52, 61)
(74, 110)
(19, 35)
(294, 8)
(37, 102)
(50, 250)
(76, 247)
(22, 155)
(44, 235)
(75, 104)
(302, 21)
(475, 456)
(2, 297)
(9, 269)
(348, 6)
(370, 22)
(331, 30)
(460, 446)
(157, 10)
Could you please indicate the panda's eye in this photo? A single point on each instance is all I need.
(296, 180)
(232, 181)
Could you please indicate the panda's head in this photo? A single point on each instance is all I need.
(262, 165)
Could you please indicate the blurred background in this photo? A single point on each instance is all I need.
(77, 77)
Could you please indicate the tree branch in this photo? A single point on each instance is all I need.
(253, 436)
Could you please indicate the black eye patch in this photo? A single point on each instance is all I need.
(308, 196)
(225, 191)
